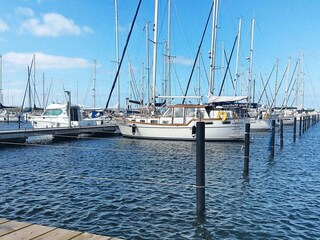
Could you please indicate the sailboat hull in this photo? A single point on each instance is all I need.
(215, 130)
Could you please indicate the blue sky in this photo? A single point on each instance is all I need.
(66, 36)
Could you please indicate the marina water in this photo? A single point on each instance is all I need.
(142, 189)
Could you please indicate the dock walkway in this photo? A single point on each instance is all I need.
(22, 135)
(14, 230)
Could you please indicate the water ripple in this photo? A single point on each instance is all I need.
(140, 189)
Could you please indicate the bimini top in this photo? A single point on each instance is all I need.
(225, 99)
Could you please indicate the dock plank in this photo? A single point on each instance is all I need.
(14, 230)
(59, 234)
(3, 220)
(11, 226)
(28, 232)
(89, 236)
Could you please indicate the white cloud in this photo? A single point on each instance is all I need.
(183, 61)
(28, 12)
(44, 61)
(3, 26)
(53, 25)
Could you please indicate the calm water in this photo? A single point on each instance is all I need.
(140, 189)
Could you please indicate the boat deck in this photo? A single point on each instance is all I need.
(14, 230)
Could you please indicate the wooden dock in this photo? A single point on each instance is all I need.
(22, 135)
(14, 230)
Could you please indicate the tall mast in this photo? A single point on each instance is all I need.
(276, 84)
(168, 49)
(1, 92)
(94, 82)
(287, 83)
(213, 46)
(237, 58)
(155, 43)
(302, 64)
(43, 93)
(148, 62)
(297, 85)
(117, 50)
(250, 65)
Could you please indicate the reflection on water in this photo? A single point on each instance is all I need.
(141, 189)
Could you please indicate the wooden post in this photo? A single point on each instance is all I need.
(246, 150)
(200, 168)
(273, 133)
(281, 133)
(294, 129)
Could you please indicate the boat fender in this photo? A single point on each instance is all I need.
(133, 128)
(193, 131)
(222, 115)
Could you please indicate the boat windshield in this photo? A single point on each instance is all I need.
(52, 112)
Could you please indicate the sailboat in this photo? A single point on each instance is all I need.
(223, 121)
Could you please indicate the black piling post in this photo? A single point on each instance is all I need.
(19, 118)
(200, 168)
(246, 150)
(281, 133)
(303, 125)
(294, 129)
(273, 133)
(300, 124)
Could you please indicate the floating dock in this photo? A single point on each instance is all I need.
(23, 135)
(14, 230)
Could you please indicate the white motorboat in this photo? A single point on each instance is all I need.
(10, 116)
(57, 115)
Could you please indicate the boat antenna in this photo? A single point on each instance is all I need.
(123, 53)
(196, 59)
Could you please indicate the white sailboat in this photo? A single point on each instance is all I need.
(222, 121)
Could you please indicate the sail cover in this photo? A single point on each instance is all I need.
(224, 99)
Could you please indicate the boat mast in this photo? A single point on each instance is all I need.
(302, 63)
(155, 43)
(148, 63)
(250, 64)
(237, 58)
(117, 50)
(94, 82)
(297, 85)
(168, 50)
(34, 83)
(43, 93)
(213, 47)
(287, 83)
(276, 85)
(1, 93)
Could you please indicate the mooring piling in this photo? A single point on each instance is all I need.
(246, 150)
(294, 129)
(300, 126)
(273, 133)
(200, 168)
(281, 133)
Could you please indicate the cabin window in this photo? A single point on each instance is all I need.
(53, 112)
(168, 113)
(154, 121)
(190, 112)
(178, 112)
(142, 121)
